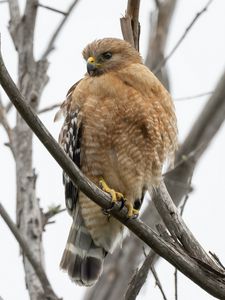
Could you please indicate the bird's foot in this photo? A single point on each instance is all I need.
(115, 196)
(131, 211)
(118, 197)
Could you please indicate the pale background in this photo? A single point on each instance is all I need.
(195, 68)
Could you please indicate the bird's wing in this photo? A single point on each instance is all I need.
(70, 140)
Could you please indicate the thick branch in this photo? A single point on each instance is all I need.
(210, 280)
(49, 293)
(51, 45)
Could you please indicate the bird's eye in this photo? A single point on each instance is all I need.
(107, 55)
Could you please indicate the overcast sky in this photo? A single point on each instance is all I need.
(195, 68)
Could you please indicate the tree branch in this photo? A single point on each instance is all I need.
(209, 279)
(160, 21)
(178, 229)
(130, 25)
(48, 108)
(6, 126)
(193, 97)
(138, 279)
(52, 212)
(158, 283)
(49, 293)
(52, 9)
(51, 45)
(164, 61)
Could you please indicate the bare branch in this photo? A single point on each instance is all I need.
(14, 11)
(176, 284)
(49, 293)
(3, 1)
(158, 283)
(52, 9)
(6, 126)
(139, 279)
(217, 259)
(181, 213)
(160, 21)
(51, 45)
(49, 108)
(175, 224)
(164, 61)
(130, 25)
(52, 212)
(212, 281)
(193, 97)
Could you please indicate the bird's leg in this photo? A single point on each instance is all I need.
(118, 197)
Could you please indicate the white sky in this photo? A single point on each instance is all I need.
(195, 68)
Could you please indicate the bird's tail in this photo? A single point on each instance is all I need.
(82, 259)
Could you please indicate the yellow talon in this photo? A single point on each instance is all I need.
(131, 211)
(116, 196)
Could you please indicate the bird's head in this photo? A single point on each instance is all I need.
(109, 54)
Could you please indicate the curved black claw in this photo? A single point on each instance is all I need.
(123, 200)
(106, 211)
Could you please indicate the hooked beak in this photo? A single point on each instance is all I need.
(92, 66)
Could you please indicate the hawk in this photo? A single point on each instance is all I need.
(119, 129)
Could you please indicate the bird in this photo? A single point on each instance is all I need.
(120, 129)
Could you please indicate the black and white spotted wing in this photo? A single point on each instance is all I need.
(71, 142)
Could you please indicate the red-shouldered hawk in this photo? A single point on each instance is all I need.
(119, 128)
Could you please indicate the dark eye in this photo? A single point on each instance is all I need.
(107, 55)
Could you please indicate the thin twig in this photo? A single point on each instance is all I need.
(176, 283)
(26, 250)
(6, 126)
(193, 97)
(157, 282)
(52, 212)
(217, 259)
(8, 107)
(49, 108)
(51, 45)
(52, 9)
(164, 61)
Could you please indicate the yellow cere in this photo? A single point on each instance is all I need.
(91, 60)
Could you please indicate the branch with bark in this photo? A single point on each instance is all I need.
(211, 279)
(32, 79)
(48, 291)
